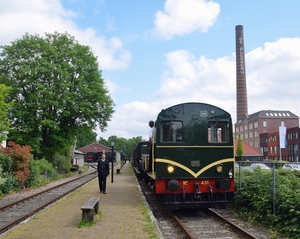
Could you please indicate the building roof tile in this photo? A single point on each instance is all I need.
(248, 149)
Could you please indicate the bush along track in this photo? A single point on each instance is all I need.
(254, 200)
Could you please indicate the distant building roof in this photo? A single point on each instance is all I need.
(270, 114)
(78, 152)
(248, 149)
(94, 147)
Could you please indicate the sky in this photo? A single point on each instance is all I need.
(155, 54)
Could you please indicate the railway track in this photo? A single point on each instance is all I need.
(196, 223)
(18, 208)
(207, 224)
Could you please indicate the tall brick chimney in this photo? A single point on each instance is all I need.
(241, 85)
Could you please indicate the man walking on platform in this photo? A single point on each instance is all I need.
(103, 172)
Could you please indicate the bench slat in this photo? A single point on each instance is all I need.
(88, 209)
(90, 203)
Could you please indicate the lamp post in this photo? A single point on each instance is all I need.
(112, 142)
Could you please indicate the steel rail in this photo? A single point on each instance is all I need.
(182, 226)
(22, 218)
(236, 227)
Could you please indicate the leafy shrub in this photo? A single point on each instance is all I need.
(10, 183)
(40, 171)
(7, 180)
(255, 199)
(2, 179)
(20, 156)
(6, 163)
(33, 174)
(46, 168)
(61, 163)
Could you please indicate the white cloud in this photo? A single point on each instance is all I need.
(131, 120)
(201, 80)
(42, 16)
(272, 80)
(273, 76)
(181, 17)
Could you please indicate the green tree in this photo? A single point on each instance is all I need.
(58, 90)
(239, 148)
(132, 143)
(122, 144)
(4, 106)
(103, 141)
(85, 137)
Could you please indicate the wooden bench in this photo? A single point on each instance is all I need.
(89, 209)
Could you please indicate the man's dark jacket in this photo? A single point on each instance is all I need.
(103, 167)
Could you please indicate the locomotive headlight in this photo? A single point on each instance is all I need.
(219, 168)
(170, 169)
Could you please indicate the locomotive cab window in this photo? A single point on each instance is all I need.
(171, 131)
(218, 132)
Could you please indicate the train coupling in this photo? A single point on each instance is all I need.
(197, 191)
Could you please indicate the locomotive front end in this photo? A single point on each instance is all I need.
(194, 160)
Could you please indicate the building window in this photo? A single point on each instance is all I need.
(250, 126)
(241, 128)
(264, 123)
(293, 135)
(250, 135)
(255, 134)
(295, 153)
(245, 127)
(255, 125)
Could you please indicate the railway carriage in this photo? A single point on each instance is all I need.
(191, 165)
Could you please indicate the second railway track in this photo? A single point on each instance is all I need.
(14, 210)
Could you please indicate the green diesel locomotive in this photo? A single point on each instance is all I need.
(190, 163)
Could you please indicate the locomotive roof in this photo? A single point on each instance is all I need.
(199, 103)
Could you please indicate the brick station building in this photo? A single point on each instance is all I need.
(94, 151)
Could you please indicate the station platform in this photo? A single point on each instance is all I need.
(121, 213)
